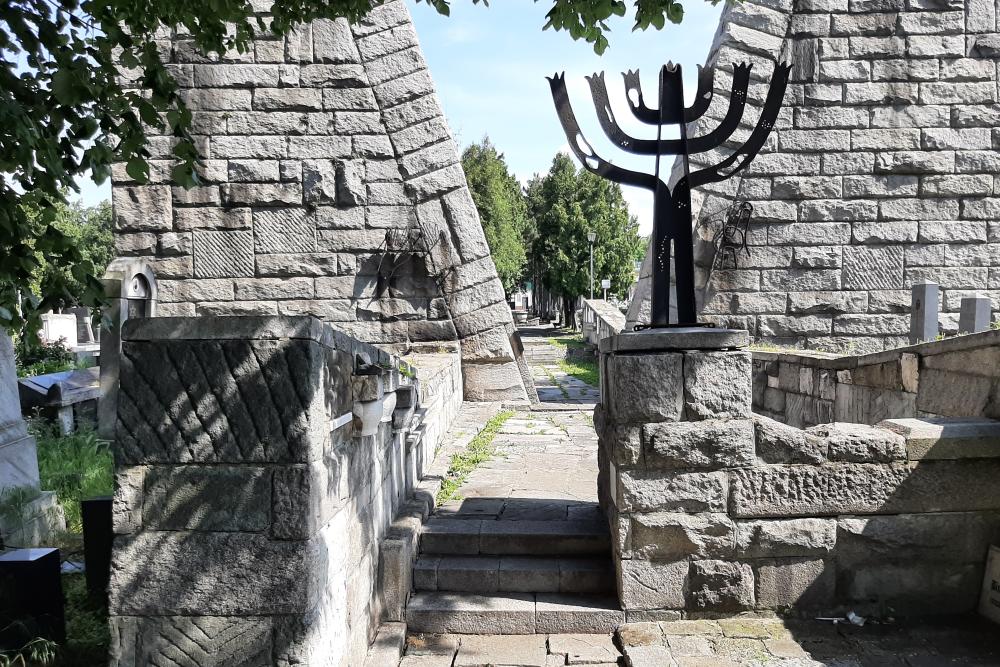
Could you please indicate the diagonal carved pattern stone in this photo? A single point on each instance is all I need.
(206, 640)
(284, 230)
(171, 409)
(226, 254)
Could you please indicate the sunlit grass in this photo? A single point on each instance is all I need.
(479, 450)
(582, 369)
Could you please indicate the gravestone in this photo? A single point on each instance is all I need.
(18, 462)
(924, 304)
(974, 315)
(41, 515)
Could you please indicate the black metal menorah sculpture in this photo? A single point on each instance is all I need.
(672, 209)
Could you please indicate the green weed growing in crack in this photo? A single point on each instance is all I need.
(553, 380)
(584, 370)
(479, 450)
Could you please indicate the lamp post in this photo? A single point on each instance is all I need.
(591, 236)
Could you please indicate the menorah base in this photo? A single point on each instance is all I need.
(676, 337)
(674, 325)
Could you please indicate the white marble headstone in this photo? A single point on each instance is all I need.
(18, 460)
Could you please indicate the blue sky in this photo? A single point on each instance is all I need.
(490, 64)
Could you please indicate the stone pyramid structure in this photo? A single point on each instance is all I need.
(879, 173)
(332, 188)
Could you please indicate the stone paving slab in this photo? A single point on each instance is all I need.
(593, 650)
(772, 642)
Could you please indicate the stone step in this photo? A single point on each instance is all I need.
(512, 613)
(513, 574)
(453, 537)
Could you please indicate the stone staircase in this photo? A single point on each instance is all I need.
(476, 576)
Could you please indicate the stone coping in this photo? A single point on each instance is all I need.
(676, 338)
(834, 361)
(947, 438)
(256, 327)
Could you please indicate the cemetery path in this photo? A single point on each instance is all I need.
(734, 642)
(553, 356)
(493, 560)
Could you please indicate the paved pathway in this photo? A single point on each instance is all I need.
(738, 642)
(556, 388)
(546, 469)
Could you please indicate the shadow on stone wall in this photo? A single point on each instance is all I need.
(247, 517)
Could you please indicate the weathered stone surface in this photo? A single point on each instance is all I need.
(298, 149)
(778, 443)
(527, 650)
(264, 421)
(674, 536)
(645, 388)
(209, 575)
(581, 649)
(142, 208)
(905, 586)
(717, 384)
(721, 586)
(946, 438)
(681, 491)
(785, 538)
(780, 490)
(557, 614)
(959, 537)
(864, 488)
(860, 443)
(187, 498)
(706, 444)
(216, 640)
(802, 583)
(653, 584)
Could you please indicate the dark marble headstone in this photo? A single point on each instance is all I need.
(31, 597)
(97, 539)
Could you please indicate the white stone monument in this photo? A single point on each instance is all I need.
(39, 514)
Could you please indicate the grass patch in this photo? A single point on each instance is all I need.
(87, 634)
(568, 341)
(76, 466)
(478, 451)
(582, 369)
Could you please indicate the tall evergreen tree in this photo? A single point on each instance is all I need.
(502, 210)
(566, 205)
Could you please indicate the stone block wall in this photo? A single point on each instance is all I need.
(260, 463)
(880, 172)
(600, 319)
(714, 510)
(331, 187)
(954, 377)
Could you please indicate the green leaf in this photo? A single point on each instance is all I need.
(138, 170)
(675, 12)
(64, 87)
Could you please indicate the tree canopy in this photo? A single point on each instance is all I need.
(65, 115)
(502, 210)
(568, 203)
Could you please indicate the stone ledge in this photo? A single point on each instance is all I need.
(679, 338)
(943, 438)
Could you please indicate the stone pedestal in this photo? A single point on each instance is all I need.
(675, 415)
